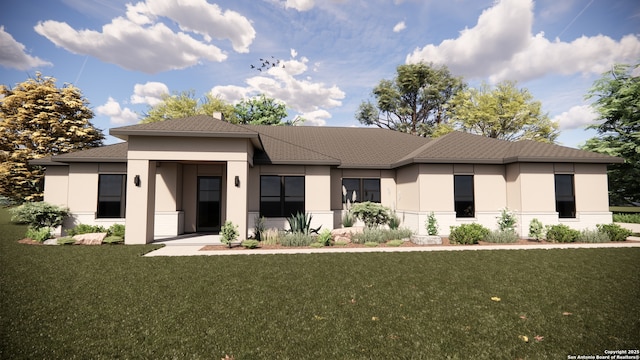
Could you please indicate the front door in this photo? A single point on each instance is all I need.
(209, 188)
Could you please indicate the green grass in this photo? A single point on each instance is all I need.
(104, 302)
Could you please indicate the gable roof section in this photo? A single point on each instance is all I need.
(107, 153)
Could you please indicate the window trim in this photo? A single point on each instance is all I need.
(122, 201)
(572, 214)
(283, 196)
(360, 190)
(458, 198)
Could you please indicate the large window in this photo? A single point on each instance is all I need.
(360, 190)
(111, 195)
(281, 196)
(565, 196)
(463, 196)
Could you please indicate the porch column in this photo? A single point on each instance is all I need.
(237, 198)
(141, 196)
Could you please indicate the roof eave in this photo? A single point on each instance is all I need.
(125, 133)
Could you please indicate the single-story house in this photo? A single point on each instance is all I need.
(190, 175)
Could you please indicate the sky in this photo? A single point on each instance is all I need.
(124, 55)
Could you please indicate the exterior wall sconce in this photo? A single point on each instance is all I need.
(136, 180)
(237, 181)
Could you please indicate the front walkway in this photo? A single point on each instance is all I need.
(186, 249)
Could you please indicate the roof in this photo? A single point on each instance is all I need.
(343, 147)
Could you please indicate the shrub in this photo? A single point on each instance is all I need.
(66, 240)
(372, 214)
(301, 223)
(296, 239)
(116, 230)
(371, 244)
(501, 237)
(507, 220)
(340, 243)
(562, 233)
(395, 243)
(593, 236)
(39, 214)
(87, 229)
(250, 244)
(113, 239)
(432, 224)
(317, 245)
(536, 229)
(270, 236)
(347, 219)
(468, 233)
(627, 218)
(40, 234)
(614, 231)
(228, 233)
(394, 221)
(379, 235)
(259, 227)
(325, 237)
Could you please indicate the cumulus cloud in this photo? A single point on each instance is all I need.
(399, 26)
(13, 55)
(307, 98)
(300, 5)
(501, 46)
(117, 115)
(150, 93)
(577, 117)
(142, 42)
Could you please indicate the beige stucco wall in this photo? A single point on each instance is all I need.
(436, 187)
(56, 185)
(490, 187)
(591, 187)
(83, 185)
(192, 149)
(408, 188)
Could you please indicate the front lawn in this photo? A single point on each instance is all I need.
(103, 302)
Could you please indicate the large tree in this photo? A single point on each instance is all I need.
(184, 104)
(502, 112)
(617, 101)
(38, 119)
(260, 110)
(415, 101)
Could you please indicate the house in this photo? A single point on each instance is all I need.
(191, 175)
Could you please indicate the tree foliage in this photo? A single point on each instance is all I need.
(39, 119)
(415, 101)
(617, 101)
(184, 104)
(504, 112)
(260, 110)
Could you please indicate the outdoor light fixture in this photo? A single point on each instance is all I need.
(237, 181)
(136, 180)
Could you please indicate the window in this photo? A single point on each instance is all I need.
(360, 190)
(463, 196)
(111, 195)
(281, 196)
(565, 196)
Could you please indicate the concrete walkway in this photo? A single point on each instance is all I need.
(186, 247)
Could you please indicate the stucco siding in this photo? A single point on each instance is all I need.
(591, 187)
(56, 185)
(490, 187)
(408, 188)
(83, 187)
(537, 187)
(195, 149)
(436, 187)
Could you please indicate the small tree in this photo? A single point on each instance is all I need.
(372, 214)
(507, 220)
(432, 224)
(228, 233)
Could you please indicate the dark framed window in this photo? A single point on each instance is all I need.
(463, 196)
(360, 190)
(281, 196)
(565, 196)
(111, 195)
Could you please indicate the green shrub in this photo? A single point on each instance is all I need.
(507, 220)
(627, 218)
(395, 243)
(250, 244)
(228, 233)
(502, 237)
(468, 233)
(432, 225)
(371, 244)
(259, 227)
(66, 240)
(372, 214)
(562, 233)
(113, 239)
(340, 243)
(301, 223)
(39, 235)
(270, 236)
(325, 237)
(347, 219)
(296, 239)
(536, 229)
(380, 235)
(593, 236)
(394, 221)
(116, 230)
(87, 229)
(317, 245)
(39, 214)
(614, 231)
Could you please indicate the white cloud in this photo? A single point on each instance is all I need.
(315, 118)
(118, 115)
(399, 26)
(13, 55)
(294, 53)
(502, 47)
(300, 5)
(577, 117)
(150, 93)
(141, 42)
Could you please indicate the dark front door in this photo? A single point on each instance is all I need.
(209, 188)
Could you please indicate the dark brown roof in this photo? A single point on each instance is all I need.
(107, 153)
(192, 126)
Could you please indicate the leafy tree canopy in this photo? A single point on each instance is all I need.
(38, 119)
(184, 104)
(415, 101)
(260, 110)
(503, 112)
(617, 101)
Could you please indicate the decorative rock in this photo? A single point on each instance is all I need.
(426, 239)
(50, 242)
(90, 239)
(343, 239)
(344, 234)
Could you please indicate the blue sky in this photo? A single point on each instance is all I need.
(124, 55)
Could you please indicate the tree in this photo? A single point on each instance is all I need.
(39, 119)
(260, 110)
(504, 112)
(415, 101)
(183, 104)
(617, 95)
